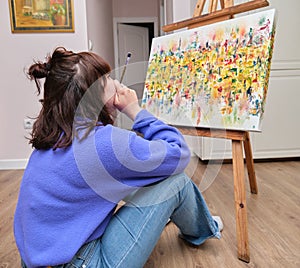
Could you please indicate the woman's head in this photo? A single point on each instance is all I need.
(68, 77)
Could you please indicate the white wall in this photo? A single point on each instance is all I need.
(18, 99)
(17, 52)
(182, 9)
(136, 8)
(100, 28)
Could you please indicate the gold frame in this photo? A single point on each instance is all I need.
(31, 19)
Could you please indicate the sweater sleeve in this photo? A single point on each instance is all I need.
(138, 161)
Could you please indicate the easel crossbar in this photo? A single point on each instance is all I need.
(238, 135)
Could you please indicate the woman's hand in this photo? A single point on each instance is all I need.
(126, 100)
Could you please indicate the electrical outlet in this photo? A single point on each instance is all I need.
(28, 123)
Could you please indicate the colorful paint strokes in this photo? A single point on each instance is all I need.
(213, 76)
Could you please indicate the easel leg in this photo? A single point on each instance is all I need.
(250, 164)
(240, 201)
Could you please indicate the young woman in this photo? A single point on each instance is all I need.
(83, 166)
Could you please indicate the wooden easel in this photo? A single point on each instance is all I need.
(239, 139)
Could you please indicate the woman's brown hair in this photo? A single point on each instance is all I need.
(68, 77)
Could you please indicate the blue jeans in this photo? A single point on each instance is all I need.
(136, 227)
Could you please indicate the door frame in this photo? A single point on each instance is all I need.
(118, 20)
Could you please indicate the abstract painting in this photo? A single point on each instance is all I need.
(214, 76)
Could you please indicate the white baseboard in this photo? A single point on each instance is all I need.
(13, 164)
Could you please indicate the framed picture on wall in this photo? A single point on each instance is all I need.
(29, 16)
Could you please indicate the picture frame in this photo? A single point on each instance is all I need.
(41, 16)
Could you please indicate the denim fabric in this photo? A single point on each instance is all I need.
(136, 227)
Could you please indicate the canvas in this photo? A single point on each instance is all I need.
(214, 76)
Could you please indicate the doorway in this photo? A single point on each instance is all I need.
(133, 35)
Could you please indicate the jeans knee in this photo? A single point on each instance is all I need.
(160, 192)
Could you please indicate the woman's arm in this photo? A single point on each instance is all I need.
(136, 160)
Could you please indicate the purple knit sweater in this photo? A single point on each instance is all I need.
(68, 196)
